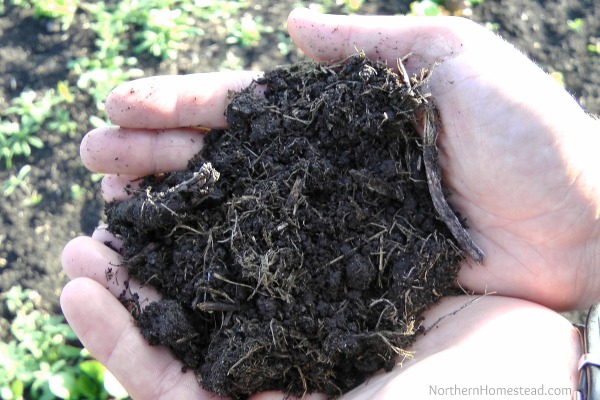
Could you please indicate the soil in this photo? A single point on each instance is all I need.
(33, 57)
(302, 245)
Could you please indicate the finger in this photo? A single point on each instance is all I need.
(114, 186)
(463, 53)
(102, 235)
(114, 150)
(84, 257)
(175, 101)
(331, 38)
(106, 329)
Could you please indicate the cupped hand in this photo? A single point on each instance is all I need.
(494, 343)
(516, 150)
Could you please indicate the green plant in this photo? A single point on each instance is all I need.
(247, 31)
(211, 10)
(40, 361)
(21, 182)
(432, 8)
(77, 192)
(96, 177)
(16, 181)
(575, 25)
(328, 6)
(163, 31)
(158, 27)
(594, 46)
(427, 8)
(61, 10)
(98, 76)
(62, 123)
(25, 117)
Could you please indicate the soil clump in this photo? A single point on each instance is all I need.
(300, 249)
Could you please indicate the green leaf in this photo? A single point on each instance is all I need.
(17, 388)
(88, 388)
(93, 369)
(69, 352)
(35, 142)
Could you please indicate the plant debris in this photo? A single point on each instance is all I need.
(300, 249)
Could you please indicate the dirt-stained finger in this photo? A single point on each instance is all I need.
(102, 235)
(106, 329)
(163, 102)
(115, 187)
(428, 40)
(113, 150)
(84, 257)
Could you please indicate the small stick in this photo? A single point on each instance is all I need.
(432, 168)
(208, 307)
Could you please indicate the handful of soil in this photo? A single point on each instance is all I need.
(301, 247)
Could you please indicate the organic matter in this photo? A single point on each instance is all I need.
(301, 247)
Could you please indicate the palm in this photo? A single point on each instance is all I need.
(503, 329)
(516, 180)
(512, 149)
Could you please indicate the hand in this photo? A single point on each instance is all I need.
(493, 342)
(495, 125)
(517, 152)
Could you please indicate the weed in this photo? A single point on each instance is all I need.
(284, 43)
(211, 10)
(594, 46)
(41, 361)
(232, 61)
(96, 177)
(158, 27)
(345, 6)
(21, 182)
(25, 117)
(163, 31)
(426, 8)
(247, 31)
(16, 181)
(61, 10)
(432, 8)
(62, 123)
(98, 76)
(22, 122)
(575, 25)
(77, 192)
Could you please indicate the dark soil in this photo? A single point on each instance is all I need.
(302, 245)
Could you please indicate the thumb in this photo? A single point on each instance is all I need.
(468, 59)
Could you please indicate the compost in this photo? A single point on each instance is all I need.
(301, 247)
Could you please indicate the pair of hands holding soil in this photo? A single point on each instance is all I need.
(516, 151)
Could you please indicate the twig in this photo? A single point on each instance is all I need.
(432, 168)
(467, 304)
